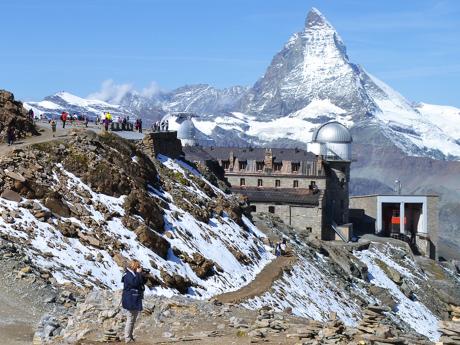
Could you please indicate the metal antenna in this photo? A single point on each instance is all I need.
(398, 186)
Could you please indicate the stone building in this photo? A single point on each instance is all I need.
(413, 218)
(308, 191)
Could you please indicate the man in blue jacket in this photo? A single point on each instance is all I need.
(133, 293)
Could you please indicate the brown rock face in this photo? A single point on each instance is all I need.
(57, 206)
(139, 203)
(176, 281)
(12, 113)
(152, 240)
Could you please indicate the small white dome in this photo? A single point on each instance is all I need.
(186, 130)
(332, 132)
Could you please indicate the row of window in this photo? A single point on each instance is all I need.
(271, 209)
(295, 183)
(295, 167)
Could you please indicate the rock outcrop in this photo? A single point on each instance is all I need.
(13, 114)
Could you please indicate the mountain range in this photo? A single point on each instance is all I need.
(312, 81)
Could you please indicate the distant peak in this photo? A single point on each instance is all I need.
(316, 18)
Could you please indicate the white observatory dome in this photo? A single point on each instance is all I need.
(332, 140)
(332, 132)
(187, 133)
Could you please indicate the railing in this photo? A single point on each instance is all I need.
(338, 232)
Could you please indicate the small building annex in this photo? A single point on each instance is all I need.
(412, 218)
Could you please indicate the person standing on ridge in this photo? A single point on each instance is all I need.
(63, 118)
(133, 293)
(53, 127)
(140, 125)
(10, 135)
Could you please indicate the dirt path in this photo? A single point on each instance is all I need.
(46, 135)
(262, 283)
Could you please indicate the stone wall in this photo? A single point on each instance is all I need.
(304, 219)
(337, 195)
(165, 143)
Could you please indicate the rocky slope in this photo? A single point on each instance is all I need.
(76, 210)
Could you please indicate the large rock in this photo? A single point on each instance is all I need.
(57, 206)
(152, 240)
(8, 194)
(141, 204)
(176, 281)
(13, 114)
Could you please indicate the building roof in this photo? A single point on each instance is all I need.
(332, 132)
(395, 195)
(244, 154)
(279, 195)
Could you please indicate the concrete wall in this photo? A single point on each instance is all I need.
(365, 221)
(433, 224)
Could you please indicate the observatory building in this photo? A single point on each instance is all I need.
(307, 189)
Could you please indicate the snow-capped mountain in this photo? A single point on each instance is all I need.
(310, 81)
(54, 105)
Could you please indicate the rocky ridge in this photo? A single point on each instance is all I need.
(77, 210)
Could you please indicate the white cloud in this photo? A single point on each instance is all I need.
(151, 90)
(113, 93)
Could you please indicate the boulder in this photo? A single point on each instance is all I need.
(57, 206)
(8, 194)
(394, 275)
(152, 240)
(175, 281)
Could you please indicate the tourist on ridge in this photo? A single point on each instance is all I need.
(140, 125)
(283, 247)
(10, 135)
(63, 118)
(166, 125)
(133, 293)
(86, 121)
(53, 127)
(277, 249)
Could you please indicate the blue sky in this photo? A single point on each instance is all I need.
(50, 45)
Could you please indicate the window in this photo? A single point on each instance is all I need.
(312, 185)
(260, 166)
(271, 209)
(295, 167)
(225, 164)
(277, 183)
(309, 229)
(242, 182)
(260, 183)
(243, 165)
(277, 166)
(295, 184)
(253, 208)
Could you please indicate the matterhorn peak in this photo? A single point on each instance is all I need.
(315, 19)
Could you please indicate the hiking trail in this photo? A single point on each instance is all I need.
(262, 282)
